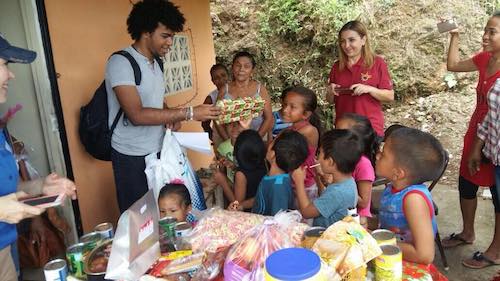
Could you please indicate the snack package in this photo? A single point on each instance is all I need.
(289, 222)
(212, 265)
(245, 260)
(239, 109)
(346, 246)
(218, 228)
(184, 264)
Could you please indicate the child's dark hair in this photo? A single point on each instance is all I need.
(246, 55)
(343, 146)
(367, 136)
(310, 103)
(146, 15)
(250, 150)
(290, 148)
(418, 152)
(391, 129)
(217, 66)
(176, 189)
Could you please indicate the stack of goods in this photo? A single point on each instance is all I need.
(220, 228)
(239, 109)
(346, 247)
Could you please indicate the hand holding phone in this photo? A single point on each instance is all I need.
(446, 25)
(45, 201)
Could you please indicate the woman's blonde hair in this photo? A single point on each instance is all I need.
(366, 51)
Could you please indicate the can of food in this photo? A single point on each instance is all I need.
(74, 256)
(351, 211)
(182, 229)
(167, 225)
(311, 235)
(105, 229)
(56, 270)
(356, 218)
(90, 240)
(389, 265)
(384, 237)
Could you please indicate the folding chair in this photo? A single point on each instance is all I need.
(376, 194)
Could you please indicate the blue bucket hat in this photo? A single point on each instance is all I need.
(15, 54)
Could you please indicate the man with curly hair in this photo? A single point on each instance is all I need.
(152, 25)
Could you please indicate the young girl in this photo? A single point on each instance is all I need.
(364, 173)
(409, 158)
(250, 153)
(299, 105)
(219, 75)
(174, 201)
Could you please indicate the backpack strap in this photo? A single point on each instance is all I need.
(133, 63)
(160, 62)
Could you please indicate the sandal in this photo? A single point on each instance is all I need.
(479, 260)
(454, 240)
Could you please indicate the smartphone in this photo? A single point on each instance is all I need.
(344, 91)
(45, 201)
(446, 26)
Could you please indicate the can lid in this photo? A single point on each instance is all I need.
(75, 248)
(55, 264)
(293, 264)
(90, 237)
(103, 226)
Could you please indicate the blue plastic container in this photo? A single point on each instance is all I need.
(293, 264)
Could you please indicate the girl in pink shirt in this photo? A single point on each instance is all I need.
(364, 173)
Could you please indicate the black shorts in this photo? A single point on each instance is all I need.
(468, 190)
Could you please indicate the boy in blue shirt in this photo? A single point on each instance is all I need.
(284, 155)
(339, 151)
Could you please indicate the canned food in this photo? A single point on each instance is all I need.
(384, 237)
(356, 218)
(182, 229)
(74, 256)
(90, 240)
(311, 235)
(56, 270)
(167, 225)
(389, 265)
(105, 229)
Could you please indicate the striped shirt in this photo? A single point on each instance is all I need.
(489, 130)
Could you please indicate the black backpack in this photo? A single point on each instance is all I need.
(94, 130)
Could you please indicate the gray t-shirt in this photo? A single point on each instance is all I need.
(334, 202)
(127, 138)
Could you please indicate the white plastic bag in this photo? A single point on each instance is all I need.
(172, 166)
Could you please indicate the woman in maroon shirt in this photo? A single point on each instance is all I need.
(359, 80)
(487, 63)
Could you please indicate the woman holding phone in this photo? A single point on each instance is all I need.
(11, 190)
(359, 80)
(487, 63)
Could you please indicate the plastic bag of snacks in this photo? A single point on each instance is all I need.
(239, 109)
(245, 260)
(346, 247)
(289, 222)
(219, 228)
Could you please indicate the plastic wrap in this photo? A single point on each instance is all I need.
(246, 258)
(239, 109)
(219, 228)
(346, 246)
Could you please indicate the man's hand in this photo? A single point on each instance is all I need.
(204, 112)
(12, 211)
(55, 184)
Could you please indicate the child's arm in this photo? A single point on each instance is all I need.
(306, 207)
(422, 249)
(240, 190)
(222, 180)
(364, 193)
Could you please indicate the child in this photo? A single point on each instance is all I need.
(287, 152)
(250, 153)
(299, 106)
(174, 201)
(338, 154)
(409, 158)
(364, 173)
(279, 124)
(219, 75)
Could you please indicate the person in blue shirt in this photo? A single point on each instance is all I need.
(339, 152)
(11, 190)
(285, 154)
